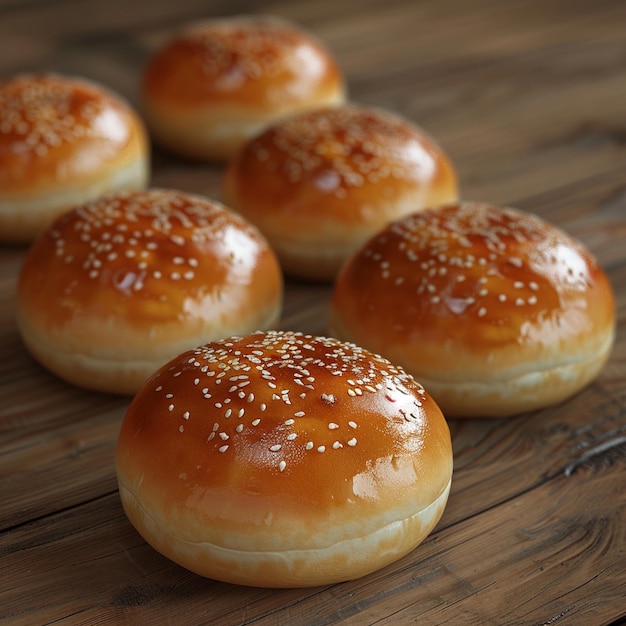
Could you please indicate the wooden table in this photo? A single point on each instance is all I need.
(528, 98)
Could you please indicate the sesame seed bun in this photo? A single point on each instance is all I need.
(493, 310)
(63, 141)
(320, 183)
(115, 288)
(283, 460)
(218, 82)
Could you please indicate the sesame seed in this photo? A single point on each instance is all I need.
(321, 448)
(333, 426)
(282, 465)
(223, 448)
(275, 448)
(352, 442)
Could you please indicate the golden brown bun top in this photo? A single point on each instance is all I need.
(261, 63)
(55, 129)
(494, 282)
(359, 159)
(306, 427)
(150, 257)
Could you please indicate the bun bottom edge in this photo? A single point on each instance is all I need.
(348, 559)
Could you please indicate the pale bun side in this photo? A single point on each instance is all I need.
(115, 288)
(495, 311)
(217, 83)
(320, 183)
(63, 141)
(283, 460)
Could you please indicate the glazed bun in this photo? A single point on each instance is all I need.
(283, 460)
(219, 82)
(493, 310)
(320, 183)
(115, 288)
(63, 141)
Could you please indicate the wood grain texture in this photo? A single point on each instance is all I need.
(527, 97)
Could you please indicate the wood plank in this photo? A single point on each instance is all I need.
(527, 98)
